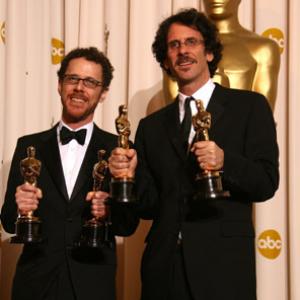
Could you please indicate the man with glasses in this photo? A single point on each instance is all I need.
(63, 197)
(200, 248)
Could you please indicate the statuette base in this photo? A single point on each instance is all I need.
(28, 231)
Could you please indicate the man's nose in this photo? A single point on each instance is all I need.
(182, 48)
(79, 85)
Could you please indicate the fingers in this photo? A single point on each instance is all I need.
(27, 198)
(99, 208)
(133, 163)
(122, 162)
(209, 155)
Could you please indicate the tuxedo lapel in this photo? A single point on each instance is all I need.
(49, 151)
(172, 125)
(87, 164)
(97, 142)
(216, 106)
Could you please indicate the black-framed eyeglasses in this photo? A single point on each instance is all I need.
(87, 81)
(190, 42)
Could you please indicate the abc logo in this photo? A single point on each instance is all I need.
(276, 35)
(58, 51)
(269, 244)
(2, 32)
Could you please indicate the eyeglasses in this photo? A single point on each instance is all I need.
(189, 43)
(87, 82)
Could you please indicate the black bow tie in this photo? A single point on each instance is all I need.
(67, 135)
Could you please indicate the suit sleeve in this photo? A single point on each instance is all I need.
(147, 193)
(9, 208)
(253, 174)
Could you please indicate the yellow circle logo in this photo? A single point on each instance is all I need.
(58, 51)
(276, 35)
(2, 32)
(269, 244)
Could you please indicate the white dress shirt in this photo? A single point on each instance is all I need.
(72, 155)
(204, 94)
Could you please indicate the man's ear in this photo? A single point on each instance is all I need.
(103, 95)
(209, 56)
(166, 64)
(59, 86)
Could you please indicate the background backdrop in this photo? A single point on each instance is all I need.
(35, 34)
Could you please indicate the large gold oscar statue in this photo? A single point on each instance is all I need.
(249, 61)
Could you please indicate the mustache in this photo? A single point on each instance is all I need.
(185, 59)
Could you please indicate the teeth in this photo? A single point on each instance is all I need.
(77, 99)
(184, 64)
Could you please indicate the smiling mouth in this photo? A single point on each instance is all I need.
(78, 99)
(185, 62)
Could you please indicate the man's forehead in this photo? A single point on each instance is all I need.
(182, 31)
(82, 66)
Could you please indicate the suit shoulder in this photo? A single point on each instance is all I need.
(241, 97)
(237, 92)
(36, 136)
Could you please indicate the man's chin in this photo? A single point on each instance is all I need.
(184, 78)
(75, 118)
(183, 74)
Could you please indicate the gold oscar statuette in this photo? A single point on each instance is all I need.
(28, 226)
(95, 231)
(121, 188)
(208, 182)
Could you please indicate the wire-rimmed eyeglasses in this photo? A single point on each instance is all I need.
(190, 42)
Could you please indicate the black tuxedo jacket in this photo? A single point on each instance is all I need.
(92, 274)
(218, 238)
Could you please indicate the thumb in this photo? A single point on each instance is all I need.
(90, 196)
(39, 193)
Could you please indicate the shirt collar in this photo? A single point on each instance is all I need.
(204, 94)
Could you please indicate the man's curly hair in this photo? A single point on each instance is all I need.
(196, 20)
